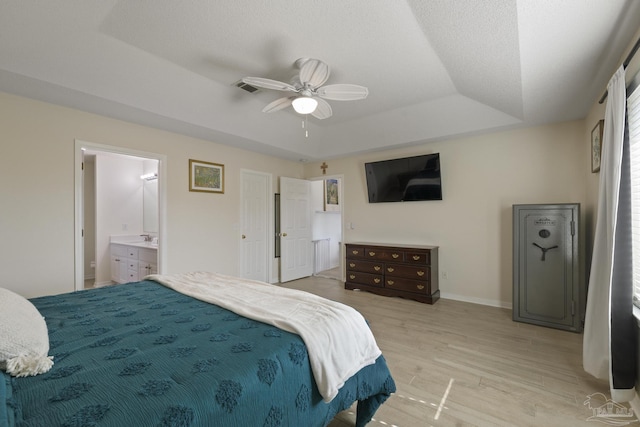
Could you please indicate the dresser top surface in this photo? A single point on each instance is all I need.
(392, 245)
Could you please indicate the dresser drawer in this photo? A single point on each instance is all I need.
(408, 285)
(355, 251)
(365, 279)
(408, 271)
(417, 257)
(365, 266)
(387, 254)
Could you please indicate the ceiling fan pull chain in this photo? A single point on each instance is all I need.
(304, 126)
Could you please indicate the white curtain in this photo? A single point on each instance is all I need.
(597, 331)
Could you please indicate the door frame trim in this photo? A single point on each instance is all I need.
(79, 147)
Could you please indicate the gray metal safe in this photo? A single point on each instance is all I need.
(546, 274)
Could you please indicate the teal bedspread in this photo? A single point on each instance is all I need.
(141, 354)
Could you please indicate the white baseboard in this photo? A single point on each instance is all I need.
(481, 301)
(101, 284)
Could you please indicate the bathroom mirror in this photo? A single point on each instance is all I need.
(150, 206)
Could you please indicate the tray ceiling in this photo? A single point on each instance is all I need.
(435, 69)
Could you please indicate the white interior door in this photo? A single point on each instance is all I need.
(296, 249)
(256, 189)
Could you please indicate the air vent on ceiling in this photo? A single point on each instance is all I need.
(242, 85)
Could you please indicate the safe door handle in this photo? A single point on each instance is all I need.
(544, 250)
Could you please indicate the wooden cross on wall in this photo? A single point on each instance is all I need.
(324, 167)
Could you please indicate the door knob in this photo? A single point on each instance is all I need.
(284, 234)
(244, 237)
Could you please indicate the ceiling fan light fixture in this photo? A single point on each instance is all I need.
(304, 105)
(309, 93)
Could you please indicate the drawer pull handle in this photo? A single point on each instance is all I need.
(390, 282)
(390, 269)
(352, 276)
(372, 254)
(376, 280)
(395, 255)
(420, 273)
(352, 264)
(416, 257)
(355, 252)
(376, 268)
(421, 287)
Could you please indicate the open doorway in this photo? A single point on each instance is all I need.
(327, 226)
(119, 193)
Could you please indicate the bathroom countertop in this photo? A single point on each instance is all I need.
(134, 240)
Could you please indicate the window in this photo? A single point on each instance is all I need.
(633, 120)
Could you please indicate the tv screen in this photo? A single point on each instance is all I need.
(403, 180)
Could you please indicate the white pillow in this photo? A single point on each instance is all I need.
(24, 339)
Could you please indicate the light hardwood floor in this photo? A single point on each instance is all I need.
(462, 364)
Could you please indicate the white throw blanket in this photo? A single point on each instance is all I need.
(338, 339)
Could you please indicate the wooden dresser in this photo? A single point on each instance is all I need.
(393, 270)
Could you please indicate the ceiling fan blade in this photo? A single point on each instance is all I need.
(278, 104)
(323, 110)
(268, 83)
(314, 72)
(343, 92)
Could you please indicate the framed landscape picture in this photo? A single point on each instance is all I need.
(206, 177)
(596, 146)
(332, 195)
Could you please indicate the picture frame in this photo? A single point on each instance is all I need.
(596, 146)
(332, 202)
(206, 177)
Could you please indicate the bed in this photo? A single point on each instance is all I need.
(144, 354)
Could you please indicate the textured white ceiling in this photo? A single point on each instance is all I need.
(435, 69)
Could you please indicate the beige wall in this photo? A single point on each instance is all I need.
(482, 178)
(37, 188)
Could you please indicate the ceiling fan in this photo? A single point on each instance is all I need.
(309, 95)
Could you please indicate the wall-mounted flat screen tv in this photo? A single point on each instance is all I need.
(403, 180)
